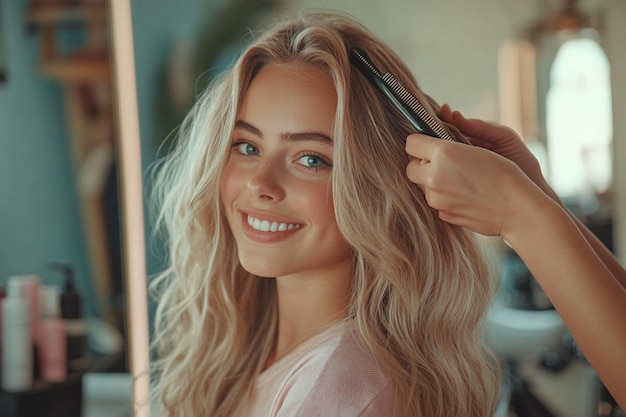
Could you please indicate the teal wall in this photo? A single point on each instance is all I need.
(40, 218)
(157, 25)
(39, 214)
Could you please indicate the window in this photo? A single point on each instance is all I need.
(579, 119)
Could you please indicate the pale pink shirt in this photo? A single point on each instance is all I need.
(328, 375)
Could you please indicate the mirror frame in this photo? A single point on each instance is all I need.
(131, 202)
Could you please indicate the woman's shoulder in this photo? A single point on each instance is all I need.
(336, 377)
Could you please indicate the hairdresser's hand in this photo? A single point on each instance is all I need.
(471, 186)
(500, 139)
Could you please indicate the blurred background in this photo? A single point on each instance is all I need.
(554, 70)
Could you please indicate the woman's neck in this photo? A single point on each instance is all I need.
(307, 305)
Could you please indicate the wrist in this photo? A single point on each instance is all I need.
(533, 210)
(547, 189)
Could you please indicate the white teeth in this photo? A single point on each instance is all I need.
(266, 226)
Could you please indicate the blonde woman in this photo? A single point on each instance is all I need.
(308, 276)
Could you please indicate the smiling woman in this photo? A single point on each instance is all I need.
(280, 175)
(293, 229)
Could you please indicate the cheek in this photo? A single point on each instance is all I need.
(230, 185)
(317, 201)
(321, 212)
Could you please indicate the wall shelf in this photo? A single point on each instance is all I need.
(78, 68)
(53, 13)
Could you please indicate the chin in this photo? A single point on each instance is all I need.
(259, 268)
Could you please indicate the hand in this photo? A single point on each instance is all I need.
(470, 186)
(500, 139)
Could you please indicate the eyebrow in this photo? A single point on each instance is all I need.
(289, 136)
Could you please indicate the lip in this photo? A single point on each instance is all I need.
(267, 236)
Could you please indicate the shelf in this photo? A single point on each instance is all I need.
(78, 67)
(58, 12)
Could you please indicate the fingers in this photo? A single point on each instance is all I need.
(481, 130)
(472, 127)
(478, 131)
(445, 113)
(421, 146)
(429, 155)
(416, 172)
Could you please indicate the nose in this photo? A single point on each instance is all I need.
(267, 182)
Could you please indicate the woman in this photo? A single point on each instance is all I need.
(496, 188)
(308, 275)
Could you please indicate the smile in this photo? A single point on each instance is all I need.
(266, 226)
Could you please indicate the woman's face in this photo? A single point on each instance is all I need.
(276, 187)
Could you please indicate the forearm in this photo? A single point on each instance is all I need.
(611, 262)
(586, 294)
(603, 253)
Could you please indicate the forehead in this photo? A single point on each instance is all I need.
(298, 96)
(301, 73)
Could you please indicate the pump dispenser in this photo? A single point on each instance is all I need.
(71, 313)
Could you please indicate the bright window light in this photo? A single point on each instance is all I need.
(579, 119)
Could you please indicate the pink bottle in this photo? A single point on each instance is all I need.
(52, 338)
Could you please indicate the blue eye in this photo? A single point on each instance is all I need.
(313, 162)
(246, 148)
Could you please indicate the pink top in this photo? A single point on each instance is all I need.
(328, 375)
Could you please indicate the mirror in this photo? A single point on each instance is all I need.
(71, 172)
(59, 162)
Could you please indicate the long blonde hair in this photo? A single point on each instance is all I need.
(420, 288)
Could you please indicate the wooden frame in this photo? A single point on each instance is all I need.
(132, 202)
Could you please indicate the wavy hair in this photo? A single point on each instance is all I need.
(420, 287)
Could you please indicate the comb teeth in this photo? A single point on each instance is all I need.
(416, 106)
(364, 61)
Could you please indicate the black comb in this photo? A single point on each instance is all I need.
(399, 97)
